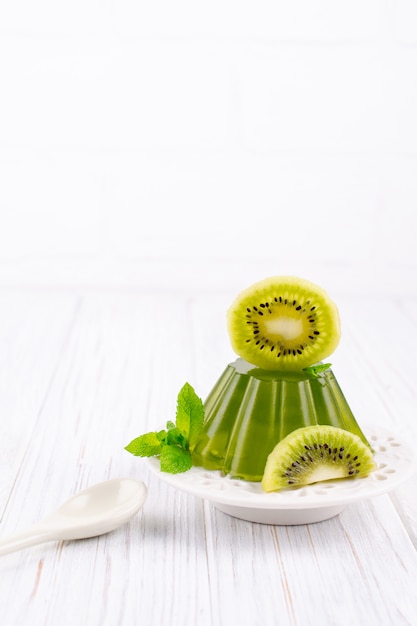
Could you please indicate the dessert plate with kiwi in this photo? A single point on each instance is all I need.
(302, 504)
(278, 442)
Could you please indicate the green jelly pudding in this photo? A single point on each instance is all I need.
(249, 410)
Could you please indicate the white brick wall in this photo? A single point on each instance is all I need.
(147, 143)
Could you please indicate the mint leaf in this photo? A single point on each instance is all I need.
(176, 438)
(175, 460)
(175, 444)
(146, 445)
(162, 436)
(315, 370)
(190, 414)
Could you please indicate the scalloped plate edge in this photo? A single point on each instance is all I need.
(395, 463)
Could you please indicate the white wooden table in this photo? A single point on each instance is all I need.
(81, 374)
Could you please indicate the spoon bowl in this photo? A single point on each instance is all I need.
(92, 512)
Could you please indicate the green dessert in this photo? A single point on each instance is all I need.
(249, 410)
(281, 327)
(277, 414)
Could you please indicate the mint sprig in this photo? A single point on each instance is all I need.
(315, 370)
(175, 444)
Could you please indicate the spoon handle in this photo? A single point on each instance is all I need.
(24, 539)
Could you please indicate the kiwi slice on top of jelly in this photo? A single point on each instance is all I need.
(283, 323)
(314, 454)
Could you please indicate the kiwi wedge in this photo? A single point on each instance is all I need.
(283, 323)
(316, 453)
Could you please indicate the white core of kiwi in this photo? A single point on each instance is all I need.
(324, 472)
(286, 327)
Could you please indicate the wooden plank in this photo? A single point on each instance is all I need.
(378, 374)
(33, 331)
(358, 567)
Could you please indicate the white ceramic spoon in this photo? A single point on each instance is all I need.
(92, 512)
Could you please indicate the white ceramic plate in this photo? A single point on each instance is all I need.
(304, 505)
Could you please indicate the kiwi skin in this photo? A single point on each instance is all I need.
(315, 453)
(283, 323)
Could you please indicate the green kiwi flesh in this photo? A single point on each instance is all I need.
(316, 453)
(283, 323)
